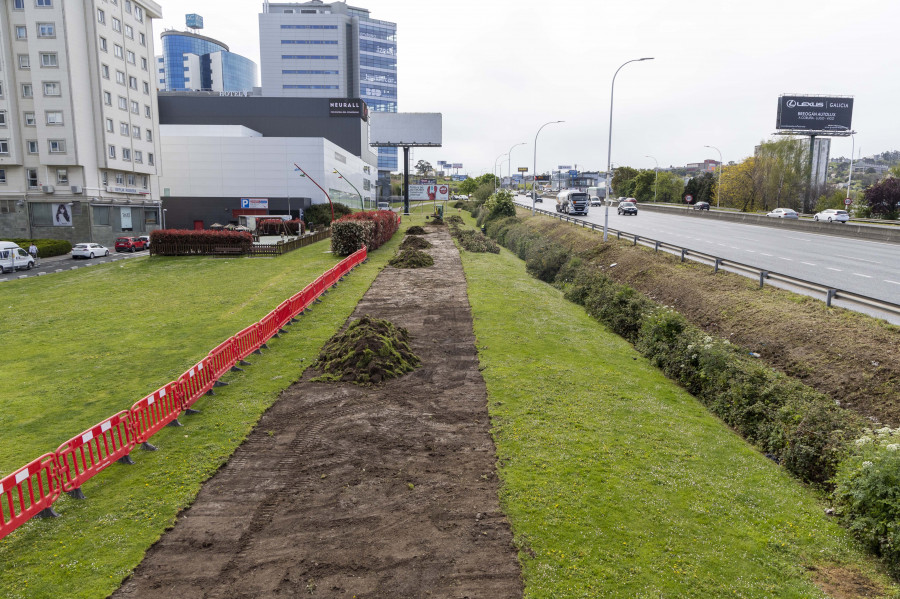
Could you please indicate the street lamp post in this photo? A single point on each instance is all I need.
(850, 180)
(494, 172)
(655, 183)
(609, 146)
(305, 174)
(164, 218)
(340, 176)
(510, 160)
(534, 173)
(721, 165)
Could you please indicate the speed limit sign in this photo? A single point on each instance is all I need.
(688, 198)
(847, 202)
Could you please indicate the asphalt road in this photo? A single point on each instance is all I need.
(57, 264)
(864, 267)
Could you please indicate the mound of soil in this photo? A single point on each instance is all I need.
(415, 243)
(455, 219)
(367, 352)
(416, 230)
(435, 220)
(411, 259)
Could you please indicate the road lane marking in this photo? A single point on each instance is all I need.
(764, 254)
(892, 282)
(856, 274)
(783, 258)
(808, 263)
(835, 269)
(862, 260)
(751, 251)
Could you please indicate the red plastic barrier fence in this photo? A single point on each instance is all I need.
(154, 412)
(283, 313)
(85, 455)
(221, 358)
(194, 383)
(27, 492)
(268, 326)
(247, 341)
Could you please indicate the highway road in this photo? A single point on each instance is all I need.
(864, 267)
(56, 264)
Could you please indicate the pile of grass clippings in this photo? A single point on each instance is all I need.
(416, 230)
(411, 259)
(474, 241)
(415, 243)
(369, 351)
(455, 220)
(435, 220)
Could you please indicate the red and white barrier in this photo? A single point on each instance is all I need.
(85, 455)
(155, 411)
(27, 492)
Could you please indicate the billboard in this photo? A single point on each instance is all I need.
(814, 113)
(441, 193)
(405, 129)
(523, 169)
(542, 177)
(457, 165)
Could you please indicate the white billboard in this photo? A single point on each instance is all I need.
(405, 129)
(439, 193)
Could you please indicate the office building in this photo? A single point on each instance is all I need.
(78, 121)
(331, 50)
(193, 62)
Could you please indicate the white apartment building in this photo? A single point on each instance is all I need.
(79, 130)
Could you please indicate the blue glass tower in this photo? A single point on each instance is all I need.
(195, 62)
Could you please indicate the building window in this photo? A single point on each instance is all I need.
(143, 63)
(107, 98)
(51, 88)
(4, 146)
(118, 51)
(129, 56)
(48, 59)
(100, 214)
(311, 42)
(54, 117)
(116, 25)
(104, 70)
(120, 77)
(129, 32)
(41, 212)
(30, 120)
(112, 151)
(2, 118)
(139, 14)
(128, 6)
(110, 126)
(101, 16)
(149, 135)
(27, 90)
(138, 156)
(123, 103)
(120, 179)
(62, 176)
(150, 214)
(46, 30)
(124, 129)
(146, 110)
(129, 180)
(132, 82)
(19, 5)
(146, 88)
(136, 132)
(44, 3)
(143, 39)
(309, 87)
(1, 89)
(32, 146)
(21, 32)
(24, 61)
(135, 107)
(31, 179)
(126, 154)
(57, 146)
(150, 158)
(103, 44)
(5, 205)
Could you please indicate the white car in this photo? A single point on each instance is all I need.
(783, 213)
(89, 250)
(832, 215)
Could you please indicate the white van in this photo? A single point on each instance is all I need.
(13, 258)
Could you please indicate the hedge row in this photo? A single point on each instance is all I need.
(804, 430)
(277, 226)
(46, 247)
(346, 240)
(319, 215)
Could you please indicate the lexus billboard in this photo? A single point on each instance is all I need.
(814, 113)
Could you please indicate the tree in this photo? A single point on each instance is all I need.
(643, 185)
(781, 174)
(423, 167)
(621, 181)
(884, 198)
(670, 187)
(701, 188)
(737, 183)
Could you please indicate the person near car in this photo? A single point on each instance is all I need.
(32, 249)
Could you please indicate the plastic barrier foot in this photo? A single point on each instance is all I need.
(258, 352)
(264, 346)
(318, 301)
(47, 512)
(282, 332)
(210, 392)
(236, 369)
(191, 411)
(175, 423)
(245, 363)
(126, 459)
(146, 446)
(220, 384)
(76, 494)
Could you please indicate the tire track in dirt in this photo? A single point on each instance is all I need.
(344, 491)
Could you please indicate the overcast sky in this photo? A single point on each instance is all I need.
(499, 69)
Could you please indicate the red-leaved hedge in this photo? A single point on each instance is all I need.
(386, 224)
(276, 226)
(347, 236)
(175, 242)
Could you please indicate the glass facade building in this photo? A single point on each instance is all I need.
(192, 62)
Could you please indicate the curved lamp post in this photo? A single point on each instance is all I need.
(521, 143)
(340, 176)
(305, 174)
(609, 146)
(656, 183)
(534, 172)
(721, 165)
(494, 172)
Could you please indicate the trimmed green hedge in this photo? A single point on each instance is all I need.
(46, 247)
(320, 214)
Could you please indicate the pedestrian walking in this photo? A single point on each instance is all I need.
(32, 249)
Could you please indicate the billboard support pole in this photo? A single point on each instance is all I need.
(811, 183)
(405, 179)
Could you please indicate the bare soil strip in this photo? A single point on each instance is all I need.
(347, 491)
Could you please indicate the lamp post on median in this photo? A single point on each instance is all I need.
(494, 172)
(340, 176)
(609, 146)
(522, 143)
(721, 165)
(305, 174)
(656, 183)
(534, 172)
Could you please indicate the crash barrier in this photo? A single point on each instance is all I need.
(31, 490)
(827, 294)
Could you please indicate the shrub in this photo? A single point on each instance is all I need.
(499, 205)
(545, 260)
(178, 242)
(320, 214)
(47, 248)
(475, 241)
(349, 239)
(455, 220)
(347, 236)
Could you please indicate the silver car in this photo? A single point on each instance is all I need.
(832, 215)
(783, 213)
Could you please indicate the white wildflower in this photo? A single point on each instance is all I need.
(892, 447)
(862, 441)
(867, 464)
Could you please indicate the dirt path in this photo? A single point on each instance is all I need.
(343, 491)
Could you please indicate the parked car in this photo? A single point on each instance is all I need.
(146, 239)
(130, 244)
(626, 207)
(383, 206)
(701, 206)
(89, 250)
(13, 258)
(832, 215)
(783, 213)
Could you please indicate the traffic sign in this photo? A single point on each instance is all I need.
(523, 169)
(688, 198)
(847, 202)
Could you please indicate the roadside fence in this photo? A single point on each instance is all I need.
(31, 490)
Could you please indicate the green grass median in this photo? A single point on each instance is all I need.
(83, 345)
(620, 484)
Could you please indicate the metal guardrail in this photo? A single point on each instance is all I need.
(763, 275)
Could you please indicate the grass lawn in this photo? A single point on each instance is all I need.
(620, 484)
(83, 345)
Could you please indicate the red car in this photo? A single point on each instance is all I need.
(130, 244)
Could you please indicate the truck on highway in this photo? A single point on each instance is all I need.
(572, 201)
